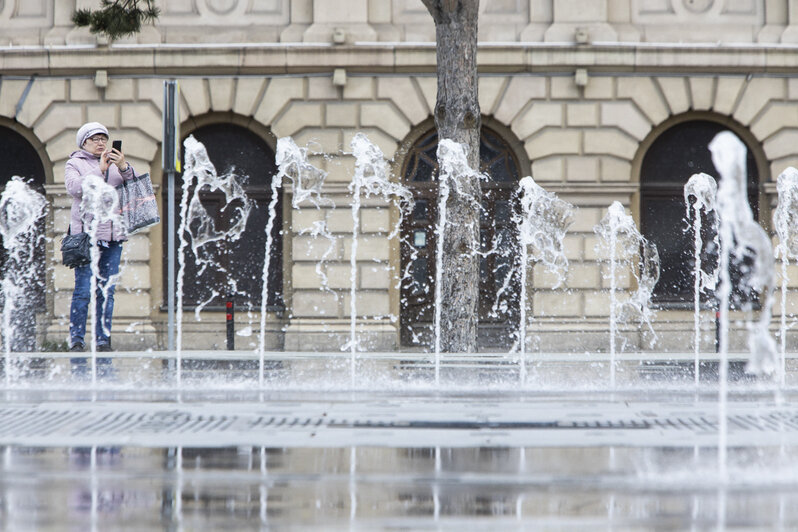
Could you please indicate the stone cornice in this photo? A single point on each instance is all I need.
(400, 58)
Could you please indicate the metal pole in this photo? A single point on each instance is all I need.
(231, 333)
(170, 252)
(171, 167)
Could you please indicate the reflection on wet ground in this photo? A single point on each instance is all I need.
(220, 455)
(248, 488)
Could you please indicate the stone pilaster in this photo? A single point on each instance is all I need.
(790, 34)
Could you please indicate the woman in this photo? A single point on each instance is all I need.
(95, 157)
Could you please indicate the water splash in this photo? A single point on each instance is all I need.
(542, 224)
(200, 173)
(622, 242)
(371, 178)
(21, 208)
(637, 306)
(742, 238)
(703, 189)
(307, 181)
(785, 219)
(199, 224)
(99, 204)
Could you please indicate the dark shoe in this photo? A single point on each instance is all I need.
(77, 348)
(104, 348)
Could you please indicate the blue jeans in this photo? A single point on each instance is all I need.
(108, 266)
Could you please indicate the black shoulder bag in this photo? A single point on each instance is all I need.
(75, 249)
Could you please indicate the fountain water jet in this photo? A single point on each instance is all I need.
(443, 199)
(542, 223)
(20, 210)
(195, 220)
(453, 163)
(307, 183)
(622, 241)
(99, 204)
(742, 238)
(745, 240)
(371, 179)
(276, 184)
(704, 189)
(785, 219)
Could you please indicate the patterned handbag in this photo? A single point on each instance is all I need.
(137, 201)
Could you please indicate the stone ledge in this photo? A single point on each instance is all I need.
(297, 58)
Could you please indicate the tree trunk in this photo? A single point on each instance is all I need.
(457, 117)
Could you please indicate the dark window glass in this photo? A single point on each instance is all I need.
(497, 322)
(503, 211)
(234, 149)
(19, 158)
(420, 275)
(420, 210)
(673, 158)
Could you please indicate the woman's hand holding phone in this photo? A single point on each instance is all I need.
(115, 155)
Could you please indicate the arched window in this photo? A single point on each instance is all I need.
(19, 158)
(498, 307)
(234, 148)
(672, 159)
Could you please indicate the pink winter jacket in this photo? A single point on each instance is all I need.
(81, 164)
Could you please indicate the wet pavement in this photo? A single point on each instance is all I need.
(223, 454)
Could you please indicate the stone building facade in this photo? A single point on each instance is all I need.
(577, 91)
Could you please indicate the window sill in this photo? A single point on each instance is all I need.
(703, 305)
(278, 309)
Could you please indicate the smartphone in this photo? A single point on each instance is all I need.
(117, 145)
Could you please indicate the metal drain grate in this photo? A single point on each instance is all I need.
(16, 422)
(493, 425)
(773, 421)
(201, 425)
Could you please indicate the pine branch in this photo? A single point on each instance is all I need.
(117, 18)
